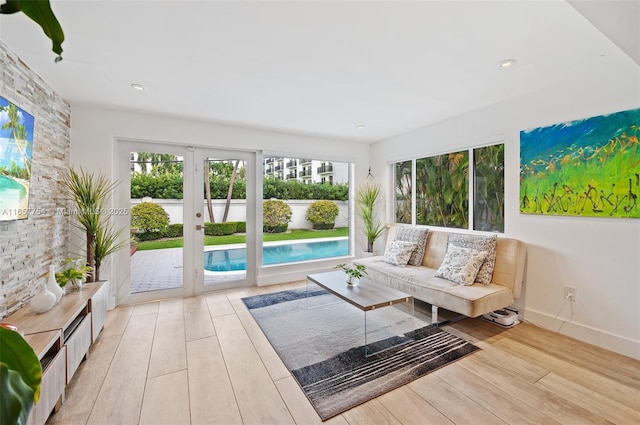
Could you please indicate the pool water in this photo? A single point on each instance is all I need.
(233, 259)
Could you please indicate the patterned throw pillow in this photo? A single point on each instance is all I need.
(480, 243)
(398, 253)
(414, 235)
(461, 265)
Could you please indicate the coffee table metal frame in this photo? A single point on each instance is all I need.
(367, 296)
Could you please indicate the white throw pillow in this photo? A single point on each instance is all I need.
(479, 243)
(417, 235)
(398, 253)
(461, 265)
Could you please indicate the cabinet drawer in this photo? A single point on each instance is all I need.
(51, 389)
(78, 344)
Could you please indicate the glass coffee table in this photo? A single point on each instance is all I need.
(368, 296)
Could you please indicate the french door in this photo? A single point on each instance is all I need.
(209, 242)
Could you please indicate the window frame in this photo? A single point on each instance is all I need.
(471, 186)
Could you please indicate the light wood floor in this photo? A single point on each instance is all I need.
(203, 360)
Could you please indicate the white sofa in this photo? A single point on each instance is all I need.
(472, 301)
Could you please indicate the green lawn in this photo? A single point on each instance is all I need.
(231, 239)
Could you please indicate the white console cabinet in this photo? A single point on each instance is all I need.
(61, 338)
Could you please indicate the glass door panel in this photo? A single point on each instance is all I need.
(157, 211)
(221, 216)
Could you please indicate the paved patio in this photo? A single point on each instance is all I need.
(159, 269)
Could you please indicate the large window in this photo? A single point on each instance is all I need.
(403, 198)
(442, 194)
(442, 189)
(488, 190)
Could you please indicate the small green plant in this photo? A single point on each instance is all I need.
(75, 271)
(149, 217)
(355, 271)
(276, 216)
(322, 214)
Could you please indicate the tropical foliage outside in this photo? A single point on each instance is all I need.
(442, 196)
(488, 207)
(441, 185)
(169, 186)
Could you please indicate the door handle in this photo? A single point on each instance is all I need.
(199, 227)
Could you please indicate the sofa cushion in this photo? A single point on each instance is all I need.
(417, 235)
(472, 301)
(398, 253)
(480, 243)
(461, 265)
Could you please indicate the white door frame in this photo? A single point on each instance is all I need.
(200, 154)
(193, 257)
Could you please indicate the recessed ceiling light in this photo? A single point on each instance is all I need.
(360, 127)
(507, 63)
(138, 87)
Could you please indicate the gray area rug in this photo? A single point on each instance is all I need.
(321, 341)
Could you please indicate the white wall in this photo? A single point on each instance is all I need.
(238, 211)
(95, 130)
(598, 256)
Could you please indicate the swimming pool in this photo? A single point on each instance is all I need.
(235, 259)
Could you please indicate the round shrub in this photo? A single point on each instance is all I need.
(322, 214)
(276, 216)
(149, 217)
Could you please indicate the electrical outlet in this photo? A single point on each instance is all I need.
(570, 293)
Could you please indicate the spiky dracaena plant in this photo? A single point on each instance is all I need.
(107, 242)
(89, 194)
(367, 198)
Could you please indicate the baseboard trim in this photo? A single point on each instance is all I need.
(612, 342)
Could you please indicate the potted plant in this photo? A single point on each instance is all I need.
(366, 200)
(353, 272)
(73, 273)
(106, 243)
(322, 214)
(89, 194)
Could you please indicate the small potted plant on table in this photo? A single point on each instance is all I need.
(74, 272)
(353, 272)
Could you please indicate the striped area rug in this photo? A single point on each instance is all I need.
(320, 340)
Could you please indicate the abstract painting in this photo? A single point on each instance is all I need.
(16, 148)
(587, 167)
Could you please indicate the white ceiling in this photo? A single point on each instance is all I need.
(319, 68)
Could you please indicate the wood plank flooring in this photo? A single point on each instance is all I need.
(203, 360)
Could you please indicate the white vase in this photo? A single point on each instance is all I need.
(52, 285)
(43, 300)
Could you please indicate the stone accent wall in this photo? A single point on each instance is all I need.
(28, 247)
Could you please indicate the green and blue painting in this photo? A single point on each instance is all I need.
(587, 167)
(16, 148)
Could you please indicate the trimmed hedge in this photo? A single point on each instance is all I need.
(219, 229)
(174, 231)
(275, 229)
(169, 186)
(241, 226)
(323, 226)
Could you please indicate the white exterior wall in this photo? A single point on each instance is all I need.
(598, 256)
(237, 211)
